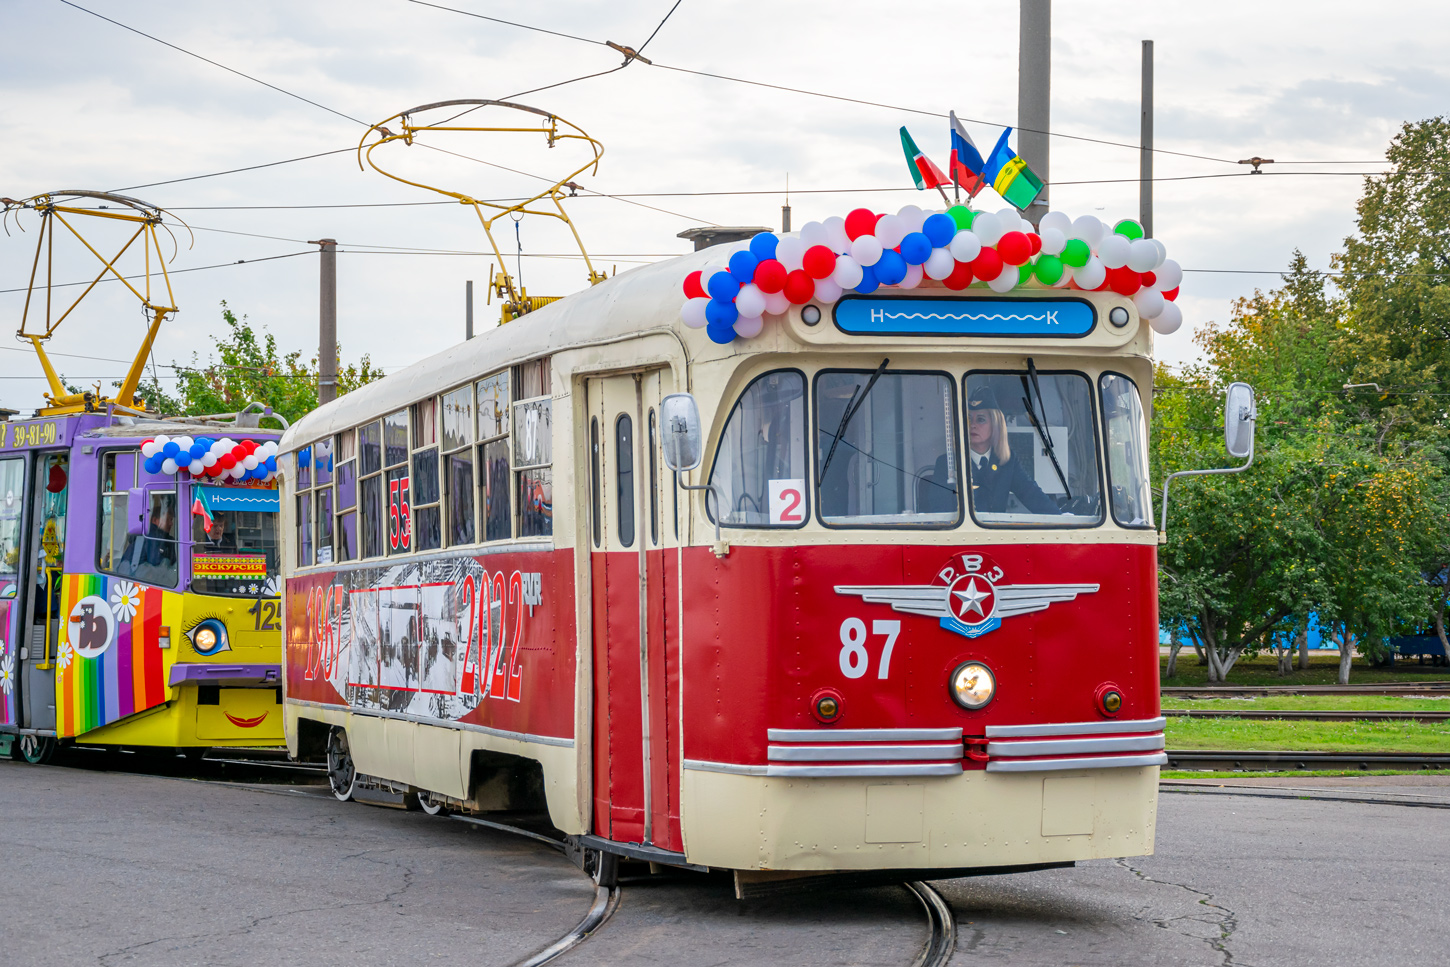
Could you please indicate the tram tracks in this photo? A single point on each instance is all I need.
(1310, 715)
(1435, 689)
(1280, 761)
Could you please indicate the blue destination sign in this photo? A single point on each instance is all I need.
(1065, 317)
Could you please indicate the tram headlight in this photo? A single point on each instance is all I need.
(972, 685)
(1110, 699)
(209, 638)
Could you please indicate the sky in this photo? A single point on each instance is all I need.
(1321, 87)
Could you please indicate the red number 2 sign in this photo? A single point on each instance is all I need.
(787, 502)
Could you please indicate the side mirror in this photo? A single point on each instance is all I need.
(138, 504)
(1239, 417)
(681, 437)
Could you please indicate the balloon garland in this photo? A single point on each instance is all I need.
(217, 459)
(864, 251)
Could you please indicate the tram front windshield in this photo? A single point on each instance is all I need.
(238, 556)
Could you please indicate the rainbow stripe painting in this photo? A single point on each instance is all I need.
(110, 664)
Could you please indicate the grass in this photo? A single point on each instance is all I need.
(1336, 774)
(1310, 703)
(1275, 734)
(1323, 670)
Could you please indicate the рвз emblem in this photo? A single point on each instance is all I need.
(967, 597)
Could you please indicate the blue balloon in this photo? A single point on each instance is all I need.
(939, 229)
(271, 463)
(915, 248)
(153, 463)
(742, 267)
(171, 449)
(203, 441)
(869, 282)
(891, 269)
(720, 312)
(720, 332)
(722, 286)
(197, 451)
(762, 246)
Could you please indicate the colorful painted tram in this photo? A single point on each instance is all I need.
(862, 636)
(139, 603)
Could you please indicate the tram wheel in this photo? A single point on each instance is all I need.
(425, 802)
(341, 773)
(36, 749)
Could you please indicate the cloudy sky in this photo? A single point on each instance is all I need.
(1318, 86)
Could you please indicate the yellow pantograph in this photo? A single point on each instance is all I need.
(548, 202)
(66, 209)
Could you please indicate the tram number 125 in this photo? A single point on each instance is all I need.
(855, 659)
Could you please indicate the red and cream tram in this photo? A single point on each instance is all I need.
(903, 616)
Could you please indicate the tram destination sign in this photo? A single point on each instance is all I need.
(1066, 318)
(35, 433)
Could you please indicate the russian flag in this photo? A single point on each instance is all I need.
(966, 161)
(923, 172)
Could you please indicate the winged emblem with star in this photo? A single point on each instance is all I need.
(970, 605)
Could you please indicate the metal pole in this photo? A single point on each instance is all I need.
(468, 310)
(327, 323)
(1034, 95)
(1145, 150)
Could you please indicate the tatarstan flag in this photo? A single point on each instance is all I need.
(923, 172)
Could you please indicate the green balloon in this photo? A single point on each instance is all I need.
(1048, 269)
(1129, 228)
(1024, 273)
(962, 215)
(1076, 253)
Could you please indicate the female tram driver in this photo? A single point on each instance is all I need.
(995, 475)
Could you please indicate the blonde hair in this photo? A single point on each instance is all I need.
(998, 445)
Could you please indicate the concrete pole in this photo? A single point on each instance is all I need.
(1034, 95)
(1145, 150)
(468, 310)
(327, 323)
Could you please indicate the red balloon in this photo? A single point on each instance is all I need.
(693, 288)
(1172, 294)
(250, 446)
(860, 222)
(1150, 279)
(988, 265)
(1036, 241)
(1124, 281)
(214, 470)
(819, 261)
(227, 462)
(799, 287)
(961, 276)
(1014, 248)
(770, 276)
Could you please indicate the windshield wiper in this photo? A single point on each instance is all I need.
(849, 412)
(1041, 427)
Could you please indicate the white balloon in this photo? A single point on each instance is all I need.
(237, 472)
(1162, 251)
(940, 263)
(749, 326)
(913, 216)
(789, 252)
(1169, 274)
(168, 466)
(1007, 281)
(162, 440)
(866, 250)
(1142, 255)
(828, 291)
(776, 303)
(1168, 320)
(988, 228)
(1091, 275)
(149, 448)
(890, 230)
(965, 246)
(692, 313)
(848, 272)
(1113, 250)
(1150, 303)
(195, 467)
(1089, 229)
(1009, 218)
(1053, 238)
(250, 461)
(209, 460)
(1057, 220)
(813, 233)
(913, 277)
(836, 237)
(184, 442)
(750, 301)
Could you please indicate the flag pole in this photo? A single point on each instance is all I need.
(944, 197)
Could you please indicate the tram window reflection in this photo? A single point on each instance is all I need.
(1032, 450)
(895, 462)
(150, 558)
(764, 445)
(1127, 451)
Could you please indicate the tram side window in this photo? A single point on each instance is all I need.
(427, 507)
(322, 474)
(306, 555)
(149, 557)
(1127, 451)
(457, 415)
(12, 499)
(760, 472)
(373, 532)
(624, 477)
(494, 409)
(345, 498)
(395, 462)
(533, 435)
(1032, 450)
(886, 449)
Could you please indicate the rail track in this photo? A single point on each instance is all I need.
(1437, 689)
(1312, 715)
(1279, 761)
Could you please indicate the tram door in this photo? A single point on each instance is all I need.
(50, 493)
(14, 579)
(634, 586)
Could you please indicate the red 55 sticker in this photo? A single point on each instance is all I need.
(787, 501)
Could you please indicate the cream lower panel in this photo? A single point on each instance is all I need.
(973, 819)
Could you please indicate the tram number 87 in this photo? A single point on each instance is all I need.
(855, 659)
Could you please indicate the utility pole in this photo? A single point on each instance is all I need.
(468, 310)
(1145, 149)
(1034, 95)
(327, 323)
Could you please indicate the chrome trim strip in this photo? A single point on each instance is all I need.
(1077, 728)
(847, 753)
(864, 735)
(904, 769)
(1121, 743)
(437, 723)
(729, 768)
(1060, 765)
